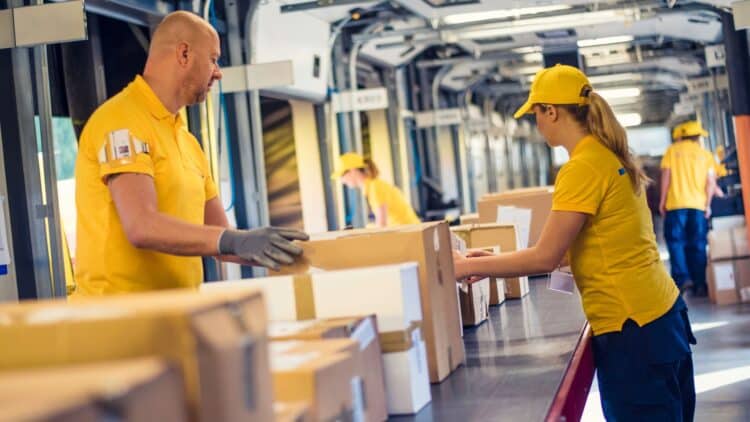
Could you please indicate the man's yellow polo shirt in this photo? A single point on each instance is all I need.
(400, 212)
(134, 133)
(689, 166)
(614, 258)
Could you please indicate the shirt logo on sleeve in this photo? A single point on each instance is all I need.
(621, 171)
(121, 147)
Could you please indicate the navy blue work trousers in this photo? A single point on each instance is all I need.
(686, 232)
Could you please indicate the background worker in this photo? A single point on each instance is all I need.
(386, 201)
(600, 217)
(147, 206)
(688, 183)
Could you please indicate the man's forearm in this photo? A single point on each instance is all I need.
(162, 233)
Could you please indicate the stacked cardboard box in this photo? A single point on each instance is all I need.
(406, 372)
(427, 244)
(469, 219)
(537, 201)
(502, 238)
(321, 373)
(138, 390)
(475, 302)
(729, 270)
(218, 341)
(369, 357)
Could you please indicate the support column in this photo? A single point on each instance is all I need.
(738, 67)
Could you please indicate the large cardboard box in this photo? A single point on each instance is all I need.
(475, 302)
(292, 412)
(538, 200)
(391, 292)
(729, 243)
(369, 363)
(427, 244)
(469, 219)
(138, 390)
(320, 373)
(502, 238)
(219, 342)
(406, 374)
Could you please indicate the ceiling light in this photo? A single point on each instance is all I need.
(629, 119)
(500, 14)
(545, 24)
(593, 42)
(615, 77)
(614, 93)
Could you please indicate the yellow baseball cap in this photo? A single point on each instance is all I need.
(559, 84)
(346, 162)
(688, 129)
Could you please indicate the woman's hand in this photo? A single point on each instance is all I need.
(476, 253)
(462, 265)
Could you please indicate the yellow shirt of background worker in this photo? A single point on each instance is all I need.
(690, 166)
(134, 133)
(387, 202)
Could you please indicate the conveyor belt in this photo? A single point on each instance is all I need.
(515, 361)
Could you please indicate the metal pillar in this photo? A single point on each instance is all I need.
(27, 209)
(738, 67)
(393, 115)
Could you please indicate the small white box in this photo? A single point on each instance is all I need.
(407, 381)
(391, 292)
(278, 292)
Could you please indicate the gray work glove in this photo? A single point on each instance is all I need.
(267, 246)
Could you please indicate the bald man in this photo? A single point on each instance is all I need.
(148, 209)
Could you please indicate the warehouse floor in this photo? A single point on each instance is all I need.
(515, 361)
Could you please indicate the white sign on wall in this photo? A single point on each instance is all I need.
(440, 117)
(688, 98)
(707, 84)
(683, 109)
(716, 55)
(360, 100)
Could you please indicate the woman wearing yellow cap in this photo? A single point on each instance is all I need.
(386, 201)
(688, 183)
(600, 219)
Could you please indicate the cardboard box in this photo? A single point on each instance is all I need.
(469, 219)
(538, 200)
(722, 284)
(475, 302)
(292, 412)
(132, 391)
(218, 341)
(320, 373)
(502, 238)
(391, 292)
(406, 374)
(730, 243)
(497, 285)
(364, 330)
(429, 245)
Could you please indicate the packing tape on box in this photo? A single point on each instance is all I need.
(399, 341)
(303, 296)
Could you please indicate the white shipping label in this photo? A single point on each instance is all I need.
(521, 218)
(364, 334)
(437, 240)
(724, 276)
(561, 281)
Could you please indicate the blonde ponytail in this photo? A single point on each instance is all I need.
(599, 119)
(371, 169)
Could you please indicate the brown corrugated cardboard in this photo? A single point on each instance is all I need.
(538, 200)
(320, 373)
(497, 285)
(730, 243)
(427, 244)
(292, 412)
(722, 275)
(504, 237)
(218, 340)
(475, 298)
(139, 390)
(369, 364)
(469, 218)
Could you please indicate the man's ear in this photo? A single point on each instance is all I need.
(553, 112)
(183, 53)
